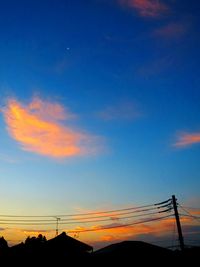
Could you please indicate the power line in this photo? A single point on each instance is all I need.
(127, 217)
(190, 215)
(115, 216)
(146, 213)
(163, 202)
(85, 214)
(143, 211)
(90, 217)
(46, 222)
(191, 208)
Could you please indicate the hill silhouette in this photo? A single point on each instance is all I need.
(132, 251)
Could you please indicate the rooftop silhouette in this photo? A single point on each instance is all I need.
(66, 250)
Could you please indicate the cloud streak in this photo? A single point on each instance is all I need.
(125, 111)
(187, 139)
(146, 8)
(37, 128)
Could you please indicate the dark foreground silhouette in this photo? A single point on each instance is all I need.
(65, 250)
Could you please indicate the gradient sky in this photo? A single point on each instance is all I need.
(100, 104)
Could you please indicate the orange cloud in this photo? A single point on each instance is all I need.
(108, 238)
(119, 232)
(37, 128)
(159, 229)
(146, 8)
(127, 229)
(35, 232)
(187, 139)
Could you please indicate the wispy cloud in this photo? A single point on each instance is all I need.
(61, 66)
(37, 128)
(172, 30)
(146, 8)
(8, 158)
(121, 111)
(155, 67)
(187, 139)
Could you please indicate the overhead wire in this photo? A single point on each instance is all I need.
(190, 215)
(45, 222)
(85, 214)
(117, 216)
(191, 208)
(146, 213)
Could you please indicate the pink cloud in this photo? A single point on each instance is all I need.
(37, 128)
(146, 8)
(187, 139)
(172, 30)
(48, 110)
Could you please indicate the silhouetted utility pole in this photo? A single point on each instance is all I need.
(180, 235)
(57, 219)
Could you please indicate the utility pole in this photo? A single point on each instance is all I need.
(178, 224)
(57, 219)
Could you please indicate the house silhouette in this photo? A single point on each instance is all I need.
(68, 245)
(65, 250)
(38, 251)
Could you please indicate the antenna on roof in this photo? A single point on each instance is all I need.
(57, 219)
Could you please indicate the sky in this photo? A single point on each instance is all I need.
(99, 110)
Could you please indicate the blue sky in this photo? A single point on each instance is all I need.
(125, 77)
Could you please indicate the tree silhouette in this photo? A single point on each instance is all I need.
(35, 241)
(3, 243)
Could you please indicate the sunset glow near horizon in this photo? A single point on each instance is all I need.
(99, 111)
